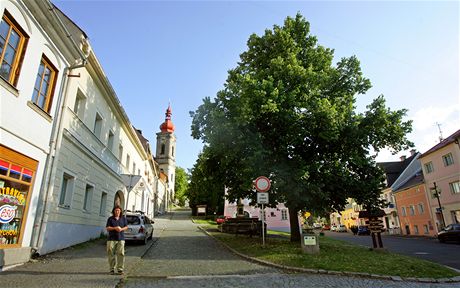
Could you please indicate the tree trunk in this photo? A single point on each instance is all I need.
(294, 222)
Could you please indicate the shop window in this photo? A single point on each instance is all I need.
(16, 177)
(42, 95)
(88, 196)
(13, 42)
(416, 229)
(455, 216)
(67, 186)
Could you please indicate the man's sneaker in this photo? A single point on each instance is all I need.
(112, 272)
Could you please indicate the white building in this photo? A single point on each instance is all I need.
(35, 59)
(100, 161)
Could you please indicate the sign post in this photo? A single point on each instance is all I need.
(262, 184)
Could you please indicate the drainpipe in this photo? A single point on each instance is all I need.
(49, 173)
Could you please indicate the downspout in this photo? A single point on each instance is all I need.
(41, 218)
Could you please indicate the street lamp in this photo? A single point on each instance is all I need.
(437, 194)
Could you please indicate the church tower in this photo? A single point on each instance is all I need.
(165, 152)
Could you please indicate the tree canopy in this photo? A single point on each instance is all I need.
(181, 185)
(287, 112)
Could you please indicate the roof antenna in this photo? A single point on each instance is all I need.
(440, 132)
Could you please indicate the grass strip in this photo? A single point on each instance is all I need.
(335, 255)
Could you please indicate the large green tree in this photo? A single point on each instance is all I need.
(287, 112)
(181, 185)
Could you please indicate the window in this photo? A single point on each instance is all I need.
(128, 159)
(412, 210)
(429, 167)
(66, 190)
(425, 229)
(284, 214)
(455, 216)
(172, 151)
(110, 141)
(103, 206)
(13, 42)
(416, 229)
(97, 125)
(42, 95)
(80, 105)
(448, 159)
(162, 152)
(87, 200)
(120, 152)
(134, 168)
(421, 209)
(172, 177)
(454, 187)
(403, 211)
(272, 214)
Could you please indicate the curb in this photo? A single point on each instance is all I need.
(330, 272)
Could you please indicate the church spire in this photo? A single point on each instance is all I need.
(167, 126)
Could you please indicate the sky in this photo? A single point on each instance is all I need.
(179, 52)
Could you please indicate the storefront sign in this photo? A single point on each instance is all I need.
(12, 196)
(7, 213)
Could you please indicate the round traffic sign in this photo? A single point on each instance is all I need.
(262, 184)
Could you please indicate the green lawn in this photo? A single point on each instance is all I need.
(334, 255)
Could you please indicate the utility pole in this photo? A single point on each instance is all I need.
(437, 194)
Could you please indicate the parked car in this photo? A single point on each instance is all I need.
(333, 228)
(341, 228)
(450, 233)
(326, 227)
(363, 230)
(221, 219)
(140, 227)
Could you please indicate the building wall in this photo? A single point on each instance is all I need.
(443, 176)
(25, 129)
(275, 218)
(421, 222)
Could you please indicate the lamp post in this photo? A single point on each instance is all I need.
(436, 194)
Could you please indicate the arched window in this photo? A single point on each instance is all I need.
(162, 152)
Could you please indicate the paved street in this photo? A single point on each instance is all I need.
(426, 248)
(180, 255)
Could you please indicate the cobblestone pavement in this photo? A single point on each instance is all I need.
(180, 255)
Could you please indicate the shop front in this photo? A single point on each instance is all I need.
(17, 173)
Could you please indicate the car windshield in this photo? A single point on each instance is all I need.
(133, 220)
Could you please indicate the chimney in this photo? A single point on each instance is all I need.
(412, 152)
(403, 157)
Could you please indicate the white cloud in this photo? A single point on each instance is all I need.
(425, 132)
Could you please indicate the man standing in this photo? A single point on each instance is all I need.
(116, 224)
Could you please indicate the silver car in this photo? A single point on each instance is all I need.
(140, 227)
